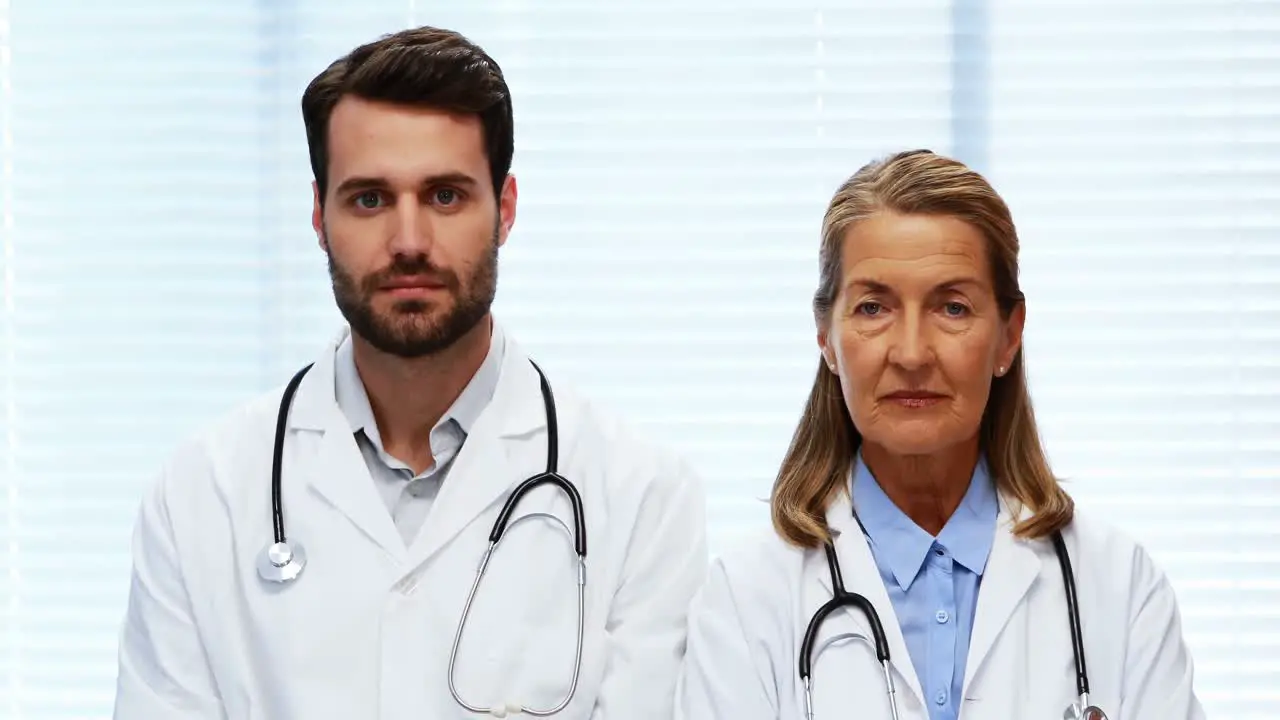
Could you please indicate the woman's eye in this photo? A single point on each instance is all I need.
(870, 309)
(955, 309)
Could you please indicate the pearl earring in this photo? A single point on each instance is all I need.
(1000, 371)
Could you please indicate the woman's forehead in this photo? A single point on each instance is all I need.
(887, 248)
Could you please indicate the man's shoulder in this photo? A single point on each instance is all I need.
(602, 430)
(251, 417)
(603, 447)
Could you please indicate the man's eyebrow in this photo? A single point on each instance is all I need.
(451, 178)
(353, 184)
(358, 182)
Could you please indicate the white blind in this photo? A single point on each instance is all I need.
(1139, 145)
(674, 161)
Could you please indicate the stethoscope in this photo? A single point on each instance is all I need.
(841, 597)
(283, 560)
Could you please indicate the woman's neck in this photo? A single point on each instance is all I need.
(927, 488)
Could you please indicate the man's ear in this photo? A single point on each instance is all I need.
(317, 216)
(507, 209)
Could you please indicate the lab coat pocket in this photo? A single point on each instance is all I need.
(845, 673)
(1054, 685)
(541, 675)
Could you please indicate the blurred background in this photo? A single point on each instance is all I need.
(674, 161)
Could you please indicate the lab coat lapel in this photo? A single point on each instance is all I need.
(335, 470)
(1010, 572)
(858, 568)
(498, 454)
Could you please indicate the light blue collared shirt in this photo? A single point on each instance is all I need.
(932, 582)
(409, 497)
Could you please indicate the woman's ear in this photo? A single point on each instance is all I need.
(828, 353)
(1011, 342)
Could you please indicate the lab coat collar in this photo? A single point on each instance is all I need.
(1010, 572)
(858, 568)
(506, 447)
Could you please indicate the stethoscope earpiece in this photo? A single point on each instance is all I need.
(1090, 712)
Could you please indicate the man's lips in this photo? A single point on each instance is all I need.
(411, 286)
(412, 282)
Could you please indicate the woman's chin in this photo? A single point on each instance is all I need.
(916, 439)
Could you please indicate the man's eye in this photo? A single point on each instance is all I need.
(369, 200)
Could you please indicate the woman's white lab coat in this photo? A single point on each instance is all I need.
(748, 621)
(366, 631)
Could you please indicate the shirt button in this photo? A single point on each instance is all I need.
(418, 488)
(941, 697)
(942, 617)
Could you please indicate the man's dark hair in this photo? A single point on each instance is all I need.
(423, 67)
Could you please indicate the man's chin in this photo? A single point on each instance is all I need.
(409, 348)
(415, 335)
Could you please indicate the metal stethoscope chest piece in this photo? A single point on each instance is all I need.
(282, 562)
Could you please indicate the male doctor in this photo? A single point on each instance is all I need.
(402, 444)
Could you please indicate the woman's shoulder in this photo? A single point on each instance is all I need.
(1109, 552)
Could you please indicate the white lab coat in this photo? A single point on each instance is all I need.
(366, 631)
(748, 621)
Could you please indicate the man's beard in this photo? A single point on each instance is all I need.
(417, 328)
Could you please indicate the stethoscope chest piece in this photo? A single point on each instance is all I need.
(281, 562)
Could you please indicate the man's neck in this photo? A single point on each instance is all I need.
(409, 396)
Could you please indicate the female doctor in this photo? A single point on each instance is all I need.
(944, 591)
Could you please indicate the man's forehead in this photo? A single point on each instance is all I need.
(404, 143)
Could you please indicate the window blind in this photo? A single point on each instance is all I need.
(1138, 144)
(674, 160)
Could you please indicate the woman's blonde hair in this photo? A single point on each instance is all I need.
(818, 462)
